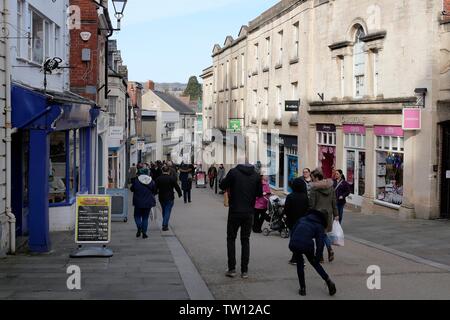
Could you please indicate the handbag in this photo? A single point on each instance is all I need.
(226, 199)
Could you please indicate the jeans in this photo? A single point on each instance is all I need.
(243, 221)
(340, 208)
(301, 267)
(141, 218)
(166, 211)
(187, 195)
(327, 243)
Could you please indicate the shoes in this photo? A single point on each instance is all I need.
(330, 255)
(302, 292)
(165, 229)
(231, 273)
(138, 233)
(144, 236)
(331, 287)
(244, 275)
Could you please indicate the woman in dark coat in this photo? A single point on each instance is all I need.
(342, 189)
(296, 206)
(144, 190)
(308, 230)
(186, 182)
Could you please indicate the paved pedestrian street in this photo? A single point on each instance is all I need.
(189, 262)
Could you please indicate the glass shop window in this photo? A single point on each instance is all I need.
(57, 170)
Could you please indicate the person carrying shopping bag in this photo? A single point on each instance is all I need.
(261, 206)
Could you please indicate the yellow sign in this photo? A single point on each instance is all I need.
(93, 219)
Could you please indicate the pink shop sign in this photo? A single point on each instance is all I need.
(389, 131)
(354, 129)
(412, 119)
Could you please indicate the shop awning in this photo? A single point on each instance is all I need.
(34, 108)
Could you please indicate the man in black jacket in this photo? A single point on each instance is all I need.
(165, 186)
(244, 186)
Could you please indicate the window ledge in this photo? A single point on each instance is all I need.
(69, 203)
(294, 60)
(279, 66)
(253, 121)
(254, 73)
(387, 204)
(374, 36)
(24, 60)
(293, 122)
(278, 122)
(265, 121)
(340, 45)
(266, 69)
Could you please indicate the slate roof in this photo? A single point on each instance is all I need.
(175, 103)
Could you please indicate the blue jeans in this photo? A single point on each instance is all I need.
(166, 211)
(141, 218)
(340, 208)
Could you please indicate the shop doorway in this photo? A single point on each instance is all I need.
(445, 178)
(355, 174)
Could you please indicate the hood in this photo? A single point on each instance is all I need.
(320, 217)
(325, 186)
(248, 170)
(144, 179)
(299, 186)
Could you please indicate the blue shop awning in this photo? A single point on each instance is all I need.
(32, 108)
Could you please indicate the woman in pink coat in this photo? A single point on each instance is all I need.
(261, 206)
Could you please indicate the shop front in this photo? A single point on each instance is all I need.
(355, 162)
(52, 152)
(389, 165)
(326, 147)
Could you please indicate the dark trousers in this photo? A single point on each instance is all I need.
(187, 195)
(340, 208)
(244, 222)
(211, 182)
(141, 218)
(301, 267)
(259, 220)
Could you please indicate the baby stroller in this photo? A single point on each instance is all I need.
(276, 218)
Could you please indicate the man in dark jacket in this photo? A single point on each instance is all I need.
(244, 186)
(144, 191)
(165, 186)
(296, 206)
(308, 230)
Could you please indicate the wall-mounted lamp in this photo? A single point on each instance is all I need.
(421, 94)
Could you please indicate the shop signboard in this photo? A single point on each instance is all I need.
(93, 219)
(354, 129)
(388, 131)
(326, 128)
(235, 125)
(292, 105)
(116, 133)
(412, 119)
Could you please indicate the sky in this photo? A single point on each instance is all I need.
(170, 40)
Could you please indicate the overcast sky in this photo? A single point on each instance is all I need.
(170, 40)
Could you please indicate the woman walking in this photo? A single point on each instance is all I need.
(307, 178)
(308, 230)
(296, 207)
(323, 198)
(261, 206)
(144, 191)
(186, 182)
(342, 189)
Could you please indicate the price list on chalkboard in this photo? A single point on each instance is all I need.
(93, 223)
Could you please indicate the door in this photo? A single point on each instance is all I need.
(356, 175)
(445, 185)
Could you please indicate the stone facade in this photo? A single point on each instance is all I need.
(354, 66)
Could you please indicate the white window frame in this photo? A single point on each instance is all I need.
(326, 139)
(376, 73)
(342, 75)
(269, 52)
(47, 35)
(242, 69)
(20, 26)
(279, 102)
(359, 77)
(296, 40)
(280, 54)
(266, 104)
(355, 141)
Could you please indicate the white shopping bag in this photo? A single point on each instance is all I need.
(337, 235)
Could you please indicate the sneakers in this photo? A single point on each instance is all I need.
(244, 275)
(331, 287)
(144, 236)
(231, 273)
(138, 233)
(302, 292)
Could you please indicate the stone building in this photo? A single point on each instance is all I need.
(362, 74)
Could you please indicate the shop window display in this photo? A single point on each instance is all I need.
(57, 170)
(390, 177)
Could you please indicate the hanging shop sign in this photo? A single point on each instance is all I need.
(93, 219)
(235, 125)
(326, 128)
(412, 119)
(116, 133)
(292, 105)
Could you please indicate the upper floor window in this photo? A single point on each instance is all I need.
(242, 69)
(296, 41)
(20, 14)
(44, 37)
(112, 110)
(359, 64)
(269, 49)
(280, 40)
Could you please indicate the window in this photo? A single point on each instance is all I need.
(359, 63)
(37, 38)
(242, 70)
(295, 97)
(255, 104)
(57, 171)
(20, 32)
(279, 103)
(215, 79)
(57, 41)
(280, 41)
(256, 53)
(375, 73)
(112, 110)
(236, 72)
(222, 73)
(268, 48)
(266, 104)
(342, 75)
(296, 40)
(227, 74)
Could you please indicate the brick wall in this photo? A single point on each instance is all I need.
(447, 10)
(84, 75)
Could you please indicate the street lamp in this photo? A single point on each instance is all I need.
(119, 8)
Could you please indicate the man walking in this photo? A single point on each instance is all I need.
(133, 173)
(212, 175)
(165, 186)
(243, 185)
(221, 175)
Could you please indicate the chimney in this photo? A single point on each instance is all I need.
(150, 85)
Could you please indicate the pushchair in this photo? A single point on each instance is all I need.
(276, 218)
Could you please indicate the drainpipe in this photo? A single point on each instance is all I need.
(8, 126)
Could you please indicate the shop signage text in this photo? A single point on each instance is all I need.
(93, 219)
(292, 105)
(412, 119)
(116, 133)
(355, 129)
(390, 131)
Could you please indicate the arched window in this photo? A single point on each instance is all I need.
(359, 63)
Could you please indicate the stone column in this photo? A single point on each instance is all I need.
(370, 194)
(407, 210)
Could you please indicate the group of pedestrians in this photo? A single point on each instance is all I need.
(311, 208)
